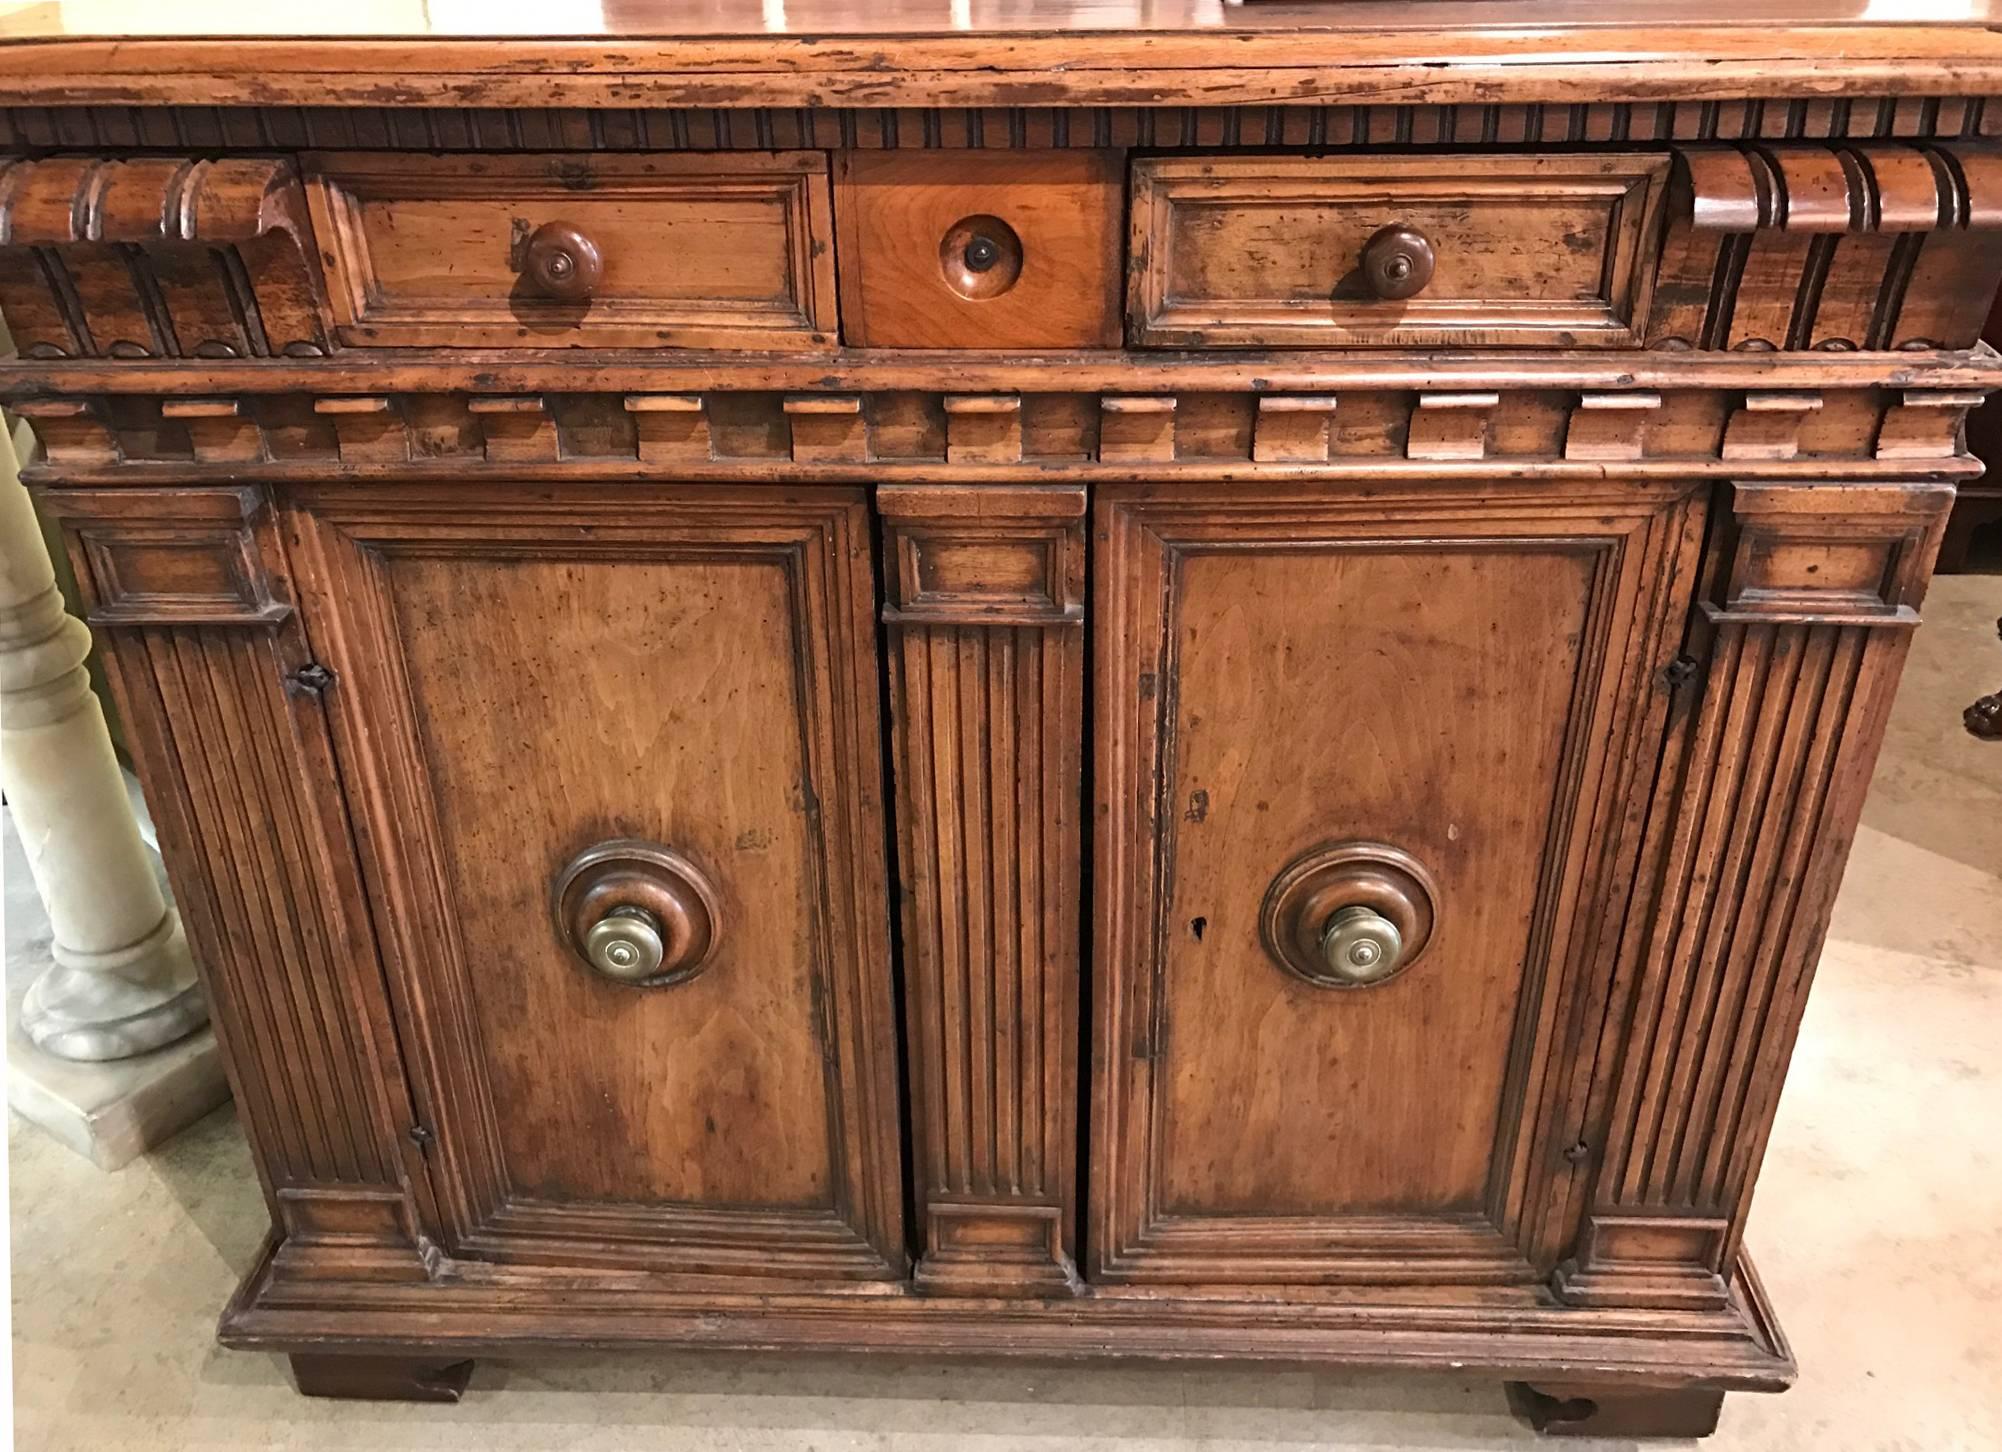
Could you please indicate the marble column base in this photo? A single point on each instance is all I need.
(108, 1112)
(81, 1011)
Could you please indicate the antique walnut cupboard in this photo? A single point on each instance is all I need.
(1034, 679)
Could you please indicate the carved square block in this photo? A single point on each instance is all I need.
(998, 556)
(1835, 553)
(517, 429)
(983, 429)
(672, 427)
(1648, 1261)
(1768, 425)
(1293, 429)
(350, 1233)
(219, 430)
(172, 557)
(994, 1249)
(348, 1212)
(1136, 430)
(368, 430)
(827, 429)
(70, 430)
(1451, 426)
(1925, 424)
(1610, 426)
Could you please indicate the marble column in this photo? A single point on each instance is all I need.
(122, 982)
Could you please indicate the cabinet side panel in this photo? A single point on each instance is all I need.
(234, 755)
(1798, 648)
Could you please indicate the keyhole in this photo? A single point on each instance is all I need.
(1198, 926)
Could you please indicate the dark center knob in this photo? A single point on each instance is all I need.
(562, 262)
(982, 253)
(1397, 262)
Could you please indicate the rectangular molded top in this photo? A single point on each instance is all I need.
(1042, 52)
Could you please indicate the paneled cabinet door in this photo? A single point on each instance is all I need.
(1370, 766)
(613, 757)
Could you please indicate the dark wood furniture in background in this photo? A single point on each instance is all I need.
(1977, 514)
(1977, 509)
(1188, 684)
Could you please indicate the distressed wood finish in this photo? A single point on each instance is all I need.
(1337, 575)
(921, 53)
(696, 251)
(1553, 251)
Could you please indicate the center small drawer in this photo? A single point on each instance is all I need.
(1493, 250)
(643, 251)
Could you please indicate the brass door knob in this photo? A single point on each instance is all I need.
(562, 263)
(1350, 914)
(1361, 944)
(625, 944)
(637, 913)
(1397, 262)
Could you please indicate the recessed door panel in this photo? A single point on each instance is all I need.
(615, 754)
(1354, 752)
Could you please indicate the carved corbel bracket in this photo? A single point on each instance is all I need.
(158, 257)
(1836, 248)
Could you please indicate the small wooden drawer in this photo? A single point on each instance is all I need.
(967, 249)
(686, 251)
(1258, 251)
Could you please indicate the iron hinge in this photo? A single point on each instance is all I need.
(311, 679)
(1679, 674)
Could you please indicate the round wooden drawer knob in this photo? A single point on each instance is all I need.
(1397, 262)
(562, 263)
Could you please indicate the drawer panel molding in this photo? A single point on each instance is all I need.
(604, 252)
(1497, 250)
